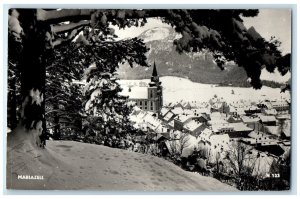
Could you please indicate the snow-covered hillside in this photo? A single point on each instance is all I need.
(68, 165)
(176, 89)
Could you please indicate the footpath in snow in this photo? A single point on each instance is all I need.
(68, 165)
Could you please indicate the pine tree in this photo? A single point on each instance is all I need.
(107, 110)
(64, 109)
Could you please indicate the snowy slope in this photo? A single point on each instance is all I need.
(73, 165)
(176, 89)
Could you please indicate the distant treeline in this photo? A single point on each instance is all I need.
(199, 79)
(246, 84)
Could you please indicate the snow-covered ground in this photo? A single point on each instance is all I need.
(68, 165)
(176, 89)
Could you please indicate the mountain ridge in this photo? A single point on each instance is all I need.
(198, 67)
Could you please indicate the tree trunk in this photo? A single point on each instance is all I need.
(56, 132)
(33, 74)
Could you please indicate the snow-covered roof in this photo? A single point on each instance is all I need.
(240, 111)
(219, 127)
(164, 110)
(270, 111)
(183, 118)
(217, 118)
(206, 133)
(186, 105)
(279, 103)
(152, 122)
(269, 142)
(274, 130)
(188, 112)
(177, 110)
(240, 126)
(168, 116)
(267, 118)
(217, 105)
(230, 126)
(284, 116)
(232, 108)
(252, 108)
(255, 135)
(201, 110)
(192, 125)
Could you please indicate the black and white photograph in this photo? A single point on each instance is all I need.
(149, 100)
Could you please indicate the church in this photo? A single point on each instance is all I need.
(149, 97)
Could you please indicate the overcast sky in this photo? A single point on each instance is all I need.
(273, 22)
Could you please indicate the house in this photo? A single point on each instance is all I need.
(217, 118)
(252, 110)
(180, 121)
(168, 116)
(268, 120)
(280, 105)
(178, 110)
(205, 135)
(179, 140)
(163, 112)
(203, 117)
(275, 131)
(269, 111)
(194, 128)
(187, 105)
(234, 130)
(233, 119)
(221, 107)
(251, 122)
(265, 105)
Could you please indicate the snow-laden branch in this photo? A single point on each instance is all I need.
(68, 27)
(70, 37)
(58, 16)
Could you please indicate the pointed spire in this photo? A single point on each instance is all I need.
(154, 73)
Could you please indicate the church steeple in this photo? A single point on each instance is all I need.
(154, 78)
(155, 91)
(154, 73)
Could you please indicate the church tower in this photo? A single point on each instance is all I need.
(155, 91)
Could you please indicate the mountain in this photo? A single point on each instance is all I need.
(198, 67)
